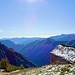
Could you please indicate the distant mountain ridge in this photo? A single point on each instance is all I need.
(10, 44)
(64, 37)
(24, 41)
(14, 57)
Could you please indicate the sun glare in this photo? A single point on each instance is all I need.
(32, 1)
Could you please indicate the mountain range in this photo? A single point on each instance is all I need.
(24, 41)
(64, 37)
(41, 49)
(38, 51)
(14, 57)
(10, 44)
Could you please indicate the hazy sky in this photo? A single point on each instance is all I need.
(43, 18)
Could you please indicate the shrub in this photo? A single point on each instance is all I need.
(3, 63)
(8, 67)
(21, 67)
(65, 68)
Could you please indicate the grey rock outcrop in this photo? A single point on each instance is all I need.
(63, 54)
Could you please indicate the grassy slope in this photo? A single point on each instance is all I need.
(66, 69)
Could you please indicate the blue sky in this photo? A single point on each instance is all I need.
(36, 18)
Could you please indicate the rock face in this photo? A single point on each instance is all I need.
(63, 54)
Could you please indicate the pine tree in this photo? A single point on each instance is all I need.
(21, 67)
(4, 63)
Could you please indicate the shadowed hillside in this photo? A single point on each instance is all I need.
(40, 50)
(14, 58)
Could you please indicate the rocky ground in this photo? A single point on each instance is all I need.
(66, 69)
